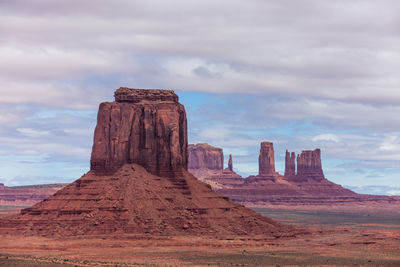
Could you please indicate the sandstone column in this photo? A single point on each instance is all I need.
(230, 163)
(290, 166)
(266, 161)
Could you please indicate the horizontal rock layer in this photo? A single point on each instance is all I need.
(134, 201)
(125, 94)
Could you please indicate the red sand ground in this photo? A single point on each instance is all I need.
(324, 245)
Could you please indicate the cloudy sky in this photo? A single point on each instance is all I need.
(302, 74)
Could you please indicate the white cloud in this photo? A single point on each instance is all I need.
(32, 132)
(326, 137)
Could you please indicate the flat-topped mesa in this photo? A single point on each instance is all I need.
(124, 94)
(290, 166)
(266, 161)
(147, 127)
(230, 163)
(204, 156)
(309, 165)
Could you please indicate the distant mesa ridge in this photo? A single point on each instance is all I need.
(306, 185)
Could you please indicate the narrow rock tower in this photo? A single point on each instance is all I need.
(230, 163)
(266, 161)
(290, 167)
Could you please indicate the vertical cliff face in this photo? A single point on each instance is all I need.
(230, 163)
(309, 165)
(290, 167)
(147, 127)
(204, 156)
(266, 161)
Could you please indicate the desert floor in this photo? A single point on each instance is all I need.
(331, 237)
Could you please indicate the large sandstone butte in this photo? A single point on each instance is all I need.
(143, 127)
(138, 182)
(309, 165)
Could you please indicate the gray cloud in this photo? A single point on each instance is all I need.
(331, 50)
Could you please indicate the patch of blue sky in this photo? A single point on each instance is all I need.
(25, 159)
(20, 172)
(46, 113)
(194, 100)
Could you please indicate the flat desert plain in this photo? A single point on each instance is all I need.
(326, 238)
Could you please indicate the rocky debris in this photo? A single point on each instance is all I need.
(204, 156)
(138, 184)
(134, 201)
(309, 165)
(266, 160)
(26, 195)
(147, 127)
(230, 163)
(290, 166)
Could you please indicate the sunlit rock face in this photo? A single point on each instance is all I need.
(146, 127)
(204, 156)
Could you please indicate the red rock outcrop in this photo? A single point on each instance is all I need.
(204, 156)
(147, 127)
(206, 164)
(290, 166)
(308, 187)
(309, 165)
(230, 163)
(138, 183)
(266, 159)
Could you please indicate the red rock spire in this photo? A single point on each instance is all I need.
(230, 164)
(290, 167)
(266, 161)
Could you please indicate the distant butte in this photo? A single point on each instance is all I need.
(139, 184)
(306, 187)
